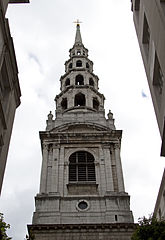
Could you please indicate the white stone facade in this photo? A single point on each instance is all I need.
(81, 178)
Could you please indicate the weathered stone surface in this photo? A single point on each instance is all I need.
(82, 194)
(83, 232)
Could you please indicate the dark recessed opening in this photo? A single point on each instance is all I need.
(82, 205)
(64, 103)
(70, 65)
(91, 82)
(79, 63)
(67, 82)
(80, 99)
(95, 103)
(79, 80)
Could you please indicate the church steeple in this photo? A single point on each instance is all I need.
(78, 39)
(82, 193)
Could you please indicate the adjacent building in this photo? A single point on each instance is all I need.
(149, 20)
(9, 85)
(82, 193)
(159, 211)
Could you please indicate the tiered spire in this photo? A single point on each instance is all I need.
(78, 39)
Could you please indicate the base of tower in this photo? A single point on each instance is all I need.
(115, 231)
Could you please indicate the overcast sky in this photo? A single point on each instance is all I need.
(43, 32)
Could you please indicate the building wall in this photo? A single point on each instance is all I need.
(159, 211)
(149, 20)
(9, 87)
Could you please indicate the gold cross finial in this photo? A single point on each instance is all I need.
(77, 22)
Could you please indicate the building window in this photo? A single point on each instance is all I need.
(162, 3)
(78, 52)
(79, 80)
(81, 167)
(160, 214)
(79, 63)
(4, 85)
(79, 100)
(64, 103)
(95, 103)
(67, 82)
(91, 82)
(158, 78)
(87, 65)
(146, 34)
(137, 5)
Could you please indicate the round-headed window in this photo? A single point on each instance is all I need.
(79, 63)
(81, 167)
(79, 80)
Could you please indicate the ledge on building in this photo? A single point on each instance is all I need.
(19, 1)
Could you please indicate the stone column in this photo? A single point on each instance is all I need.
(43, 181)
(119, 168)
(108, 169)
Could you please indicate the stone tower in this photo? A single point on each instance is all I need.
(82, 194)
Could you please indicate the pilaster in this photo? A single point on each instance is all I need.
(119, 168)
(108, 169)
(43, 180)
(55, 161)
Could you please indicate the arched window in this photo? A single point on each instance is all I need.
(95, 103)
(87, 65)
(79, 100)
(70, 65)
(79, 63)
(67, 82)
(64, 103)
(91, 82)
(81, 167)
(79, 80)
(78, 52)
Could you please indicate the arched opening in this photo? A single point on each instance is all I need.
(87, 65)
(79, 100)
(79, 63)
(70, 65)
(81, 167)
(91, 82)
(64, 103)
(95, 103)
(78, 52)
(67, 82)
(79, 80)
